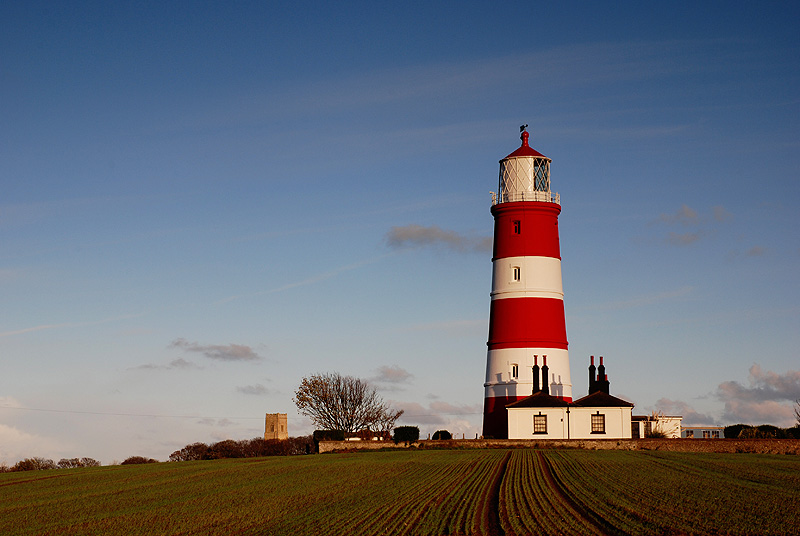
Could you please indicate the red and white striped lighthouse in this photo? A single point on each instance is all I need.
(526, 319)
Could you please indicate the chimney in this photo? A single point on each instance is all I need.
(602, 378)
(601, 374)
(592, 377)
(545, 376)
(535, 374)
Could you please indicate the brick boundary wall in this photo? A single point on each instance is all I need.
(753, 446)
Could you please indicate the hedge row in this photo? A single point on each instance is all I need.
(765, 431)
(246, 448)
(39, 464)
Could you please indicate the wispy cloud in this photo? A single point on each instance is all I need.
(686, 217)
(256, 389)
(229, 352)
(721, 214)
(309, 280)
(755, 251)
(417, 236)
(216, 422)
(175, 364)
(682, 239)
(42, 327)
(642, 300)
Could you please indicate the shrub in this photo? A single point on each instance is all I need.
(71, 463)
(768, 431)
(406, 433)
(225, 449)
(734, 430)
(442, 434)
(328, 435)
(34, 464)
(195, 451)
(134, 460)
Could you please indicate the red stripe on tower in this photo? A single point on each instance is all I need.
(526, 317)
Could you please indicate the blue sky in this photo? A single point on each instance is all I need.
(203, 202)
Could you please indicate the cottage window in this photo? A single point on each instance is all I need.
(715, 434)
(598, 423)
(689, 434)
(540, 424)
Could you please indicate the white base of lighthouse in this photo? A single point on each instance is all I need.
(509, 372)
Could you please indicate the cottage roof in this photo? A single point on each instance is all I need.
(599, 399)
(539, 399)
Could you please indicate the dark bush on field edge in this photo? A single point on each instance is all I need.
(328, 435)
(442, 434)
(406, 434)
(135, 460)
(246, 448)
(764, 431)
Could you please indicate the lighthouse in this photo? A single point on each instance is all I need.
(526, 318)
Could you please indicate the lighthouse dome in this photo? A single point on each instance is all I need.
(525, 175)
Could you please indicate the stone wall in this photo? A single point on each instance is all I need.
(757, 446)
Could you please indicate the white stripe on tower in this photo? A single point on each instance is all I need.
(527, 307)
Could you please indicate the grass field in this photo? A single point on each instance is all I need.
(416, 492)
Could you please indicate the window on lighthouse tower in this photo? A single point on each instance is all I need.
(517, 226)
(516, 273)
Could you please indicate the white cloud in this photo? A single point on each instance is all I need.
(767, 399)
(440, 415)
(690, 416)
(9, 402)
(16, 444)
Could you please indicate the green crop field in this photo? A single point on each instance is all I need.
(427, 492)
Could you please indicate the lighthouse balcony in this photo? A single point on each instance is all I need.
(511, 197)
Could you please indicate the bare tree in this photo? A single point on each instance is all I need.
(336, 402)
(797, 411)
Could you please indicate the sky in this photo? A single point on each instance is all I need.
(204, 202)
